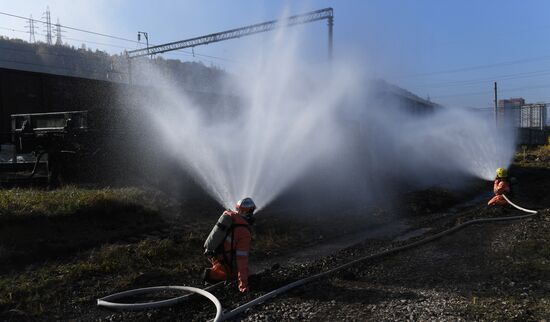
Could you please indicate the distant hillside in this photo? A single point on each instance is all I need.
(83, 62)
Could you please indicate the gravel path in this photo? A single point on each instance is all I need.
(480, 273)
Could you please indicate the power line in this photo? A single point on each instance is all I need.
(31, 51)
(111, 36)
(73, 28)
(69, 38)
(489, 79)
(73, 54)
(178, 52)
(94, 42)
(106, 35)
(487, 92)
(15, 30)
(486, 66)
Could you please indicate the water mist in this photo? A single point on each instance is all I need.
(286, 119)
(282, 125)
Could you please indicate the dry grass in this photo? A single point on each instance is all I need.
(37, 225)
(105, 270)
(65, 201)
(107, 251)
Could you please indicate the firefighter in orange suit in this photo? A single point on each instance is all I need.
(501, 186)
(231, 261)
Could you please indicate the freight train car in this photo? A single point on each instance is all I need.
(23, 92)
(119, 140)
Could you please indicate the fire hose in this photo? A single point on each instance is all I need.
(239, 310)
(518, 207)
(106, 301)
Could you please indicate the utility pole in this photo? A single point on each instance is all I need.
(496, 105)
(330, 23)
(128, 58)
(129, 68)
(48, 26)
(146, 35)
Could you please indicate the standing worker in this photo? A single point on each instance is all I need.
(500, 186)
(228, 245)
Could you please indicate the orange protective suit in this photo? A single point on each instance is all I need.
(500, 187)
(234, 260)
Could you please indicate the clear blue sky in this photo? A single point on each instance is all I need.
(449, 50)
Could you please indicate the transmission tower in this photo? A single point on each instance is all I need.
(58, 31)
(48, 26)
(30, 26)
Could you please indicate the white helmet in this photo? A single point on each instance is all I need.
(245, 205)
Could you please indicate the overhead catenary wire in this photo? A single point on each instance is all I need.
(488, 91)
(469, 82)
(477, 67)
(462, 69)
(437, 85)
(459, 83)
(406, 76)
(182, 52)
(57, 54)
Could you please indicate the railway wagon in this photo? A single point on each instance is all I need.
(118, 140)
(23, 92)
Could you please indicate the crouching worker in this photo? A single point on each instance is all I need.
(228, 245)
(500, 186)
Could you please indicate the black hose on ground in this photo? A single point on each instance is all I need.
(392, 251)
(239, 310)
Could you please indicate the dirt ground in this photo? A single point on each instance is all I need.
(489, 272)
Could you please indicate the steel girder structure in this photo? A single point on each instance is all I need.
(312, 16)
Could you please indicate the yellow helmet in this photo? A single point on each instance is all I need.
(502, 173)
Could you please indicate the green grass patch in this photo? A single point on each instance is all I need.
(108, 269)
(37, 224)
(533, 156)
(65, 201)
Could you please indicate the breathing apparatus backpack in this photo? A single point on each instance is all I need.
(218, 234)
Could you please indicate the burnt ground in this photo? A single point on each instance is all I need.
(489, 272)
